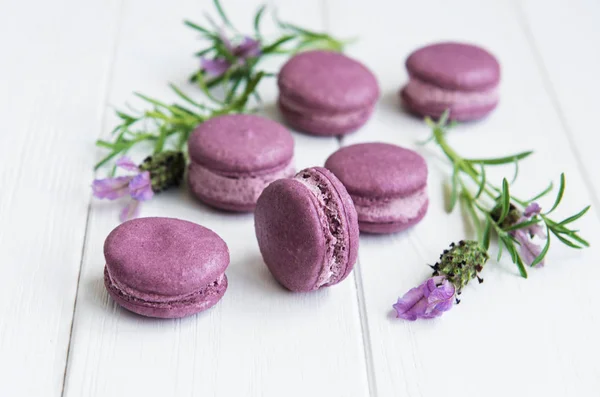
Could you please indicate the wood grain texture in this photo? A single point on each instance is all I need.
(509, 336)
(260, 340)
(56, 58)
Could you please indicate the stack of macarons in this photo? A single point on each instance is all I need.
(234, 157)
(164, 267)
(460, 77)
(387, 183)
(326, 93)
(306, 223)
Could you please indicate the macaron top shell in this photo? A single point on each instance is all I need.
(455, 66)
(292, 233)
(165, 256)
(241, 143)
(327, 80)
(290, 230)
(378, 169)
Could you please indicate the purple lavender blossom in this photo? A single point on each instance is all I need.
(248, 48)
(111, 188)
(127, 164)
(429, 300)
(139, 187)
(215, 67)
(528, 249)
(130, 211)
(531, 210)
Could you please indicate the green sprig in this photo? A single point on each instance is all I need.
(220, 37)
(168, 126)
(495, 210)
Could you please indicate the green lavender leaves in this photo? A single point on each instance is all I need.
(231, 58)
(496, 211)
(229, 61)
(168, 126)
(501, 160)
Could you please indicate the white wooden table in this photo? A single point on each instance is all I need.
(64, 63)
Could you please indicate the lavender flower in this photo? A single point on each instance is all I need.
(428, 300)
(215, 67)
(137, 186)
(154, 175)
(111, 188)
(528, 249)
(130, 211)
(140, 187)
(531, 210)
(513, 221)
(457, 266)
(127, 164)
(248, 48)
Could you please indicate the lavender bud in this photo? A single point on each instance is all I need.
(512, 218)
(166, 169)
(462, 262)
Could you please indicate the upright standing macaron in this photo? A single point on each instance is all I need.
(326, 93)
(307, 230)
(165, 267)
(234, 157)
(461, 77)
(387, 183)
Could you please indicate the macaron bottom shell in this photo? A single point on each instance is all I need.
(458, 112)
(382, 227)
(326, 93)
(391, 214)
(313, 122)
(168, 308)
(232, 193)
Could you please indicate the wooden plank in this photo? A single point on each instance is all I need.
(259, 340)
(569, 60)
(509, 336)
(56, 60)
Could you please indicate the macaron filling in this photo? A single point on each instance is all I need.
(329, 210)
(222, 187)
(398, 209)
(326, 93)
(147, 299)
(424, 93)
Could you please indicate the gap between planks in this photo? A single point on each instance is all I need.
(364, 329)
(111, 62)
(362, 307)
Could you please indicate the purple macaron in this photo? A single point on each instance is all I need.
(387, 183)
(326, 93)
(461, 77)
(165, 267)
(307, 230)
(234, 157)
